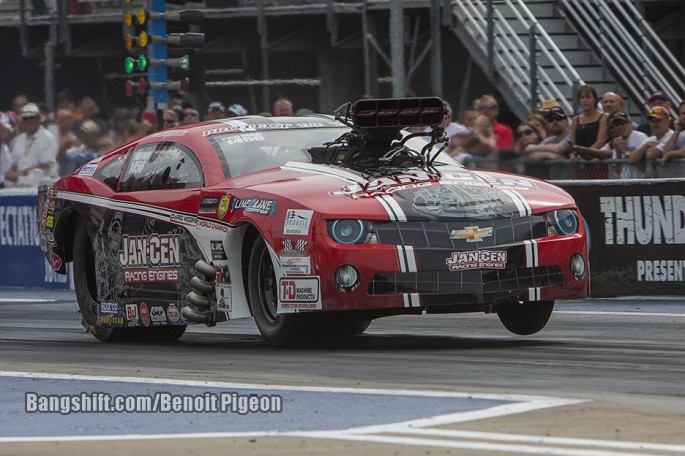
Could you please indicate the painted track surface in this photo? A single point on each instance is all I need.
(613, 369)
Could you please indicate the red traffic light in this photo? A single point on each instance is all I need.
(135, 88)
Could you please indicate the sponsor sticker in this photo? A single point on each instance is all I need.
(88, 169)
(56, 262)
(254, 206)
(299, 248)
(170, 133)
(297, 221)
(173, 314)
(157, 315)
(296, 265)
(109, 307)
(150, 258)
(300, 293)
(132, 315)
(223, 276)
(110, 320)
(183, 219)
(144, 315)
(208, 205)
(210, 225)
(224, 203)
(477, 259)
(217, 250)
(224, 298)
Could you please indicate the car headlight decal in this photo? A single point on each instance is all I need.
(352, 232)
(562, 222)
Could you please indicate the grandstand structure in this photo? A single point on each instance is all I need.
(321, 53)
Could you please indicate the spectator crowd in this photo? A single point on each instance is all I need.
(599, 140)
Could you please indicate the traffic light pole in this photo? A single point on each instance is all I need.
(158, 50)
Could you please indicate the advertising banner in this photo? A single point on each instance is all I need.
(21, 261)
(637, 230)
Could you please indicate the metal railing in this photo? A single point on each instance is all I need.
(511, 56)
(583, 169)
(628, 46)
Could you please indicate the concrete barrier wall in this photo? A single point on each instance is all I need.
(637, 230)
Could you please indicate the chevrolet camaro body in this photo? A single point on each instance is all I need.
(264, 217)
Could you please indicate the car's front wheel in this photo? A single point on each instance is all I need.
(85, 283)
(277, 329)
(525, 318)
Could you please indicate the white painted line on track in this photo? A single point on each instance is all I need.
(465, 445)
(546, 440)
(318, 389)
(629, 314)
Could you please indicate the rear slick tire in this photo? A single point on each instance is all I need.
(525, 318)
(85, 284)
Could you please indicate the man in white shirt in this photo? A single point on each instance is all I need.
(35, 148)
(6, 135)
(659, 119)
(624, 141)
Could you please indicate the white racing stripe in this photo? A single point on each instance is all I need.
(395, 207)
(401, 258)
(386, 207)
(532, 253)
(411, 300)
(142, 209)
(534, 294)
(327, 170)
(411, 259)
(521, 203)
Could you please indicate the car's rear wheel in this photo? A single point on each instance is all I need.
(277, 329)
(525, 318)
(85, 283)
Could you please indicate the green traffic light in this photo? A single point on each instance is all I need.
(184, 62)
(129, 64)
(142, 62)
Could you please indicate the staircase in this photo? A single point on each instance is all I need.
(571, 46)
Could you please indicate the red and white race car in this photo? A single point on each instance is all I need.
(311, 225)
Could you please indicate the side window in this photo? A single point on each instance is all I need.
(109, 173)
(160, 166)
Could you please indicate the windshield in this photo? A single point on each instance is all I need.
(252, 151)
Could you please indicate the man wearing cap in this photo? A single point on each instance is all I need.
(215, 110)
(35, 148)
(558, 141)
(657, 98)
(659, 119)
(236, 110)
(623, 141)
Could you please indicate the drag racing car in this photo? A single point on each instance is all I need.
(312, 225)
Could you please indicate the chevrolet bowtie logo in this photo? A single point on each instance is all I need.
(471, 233)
